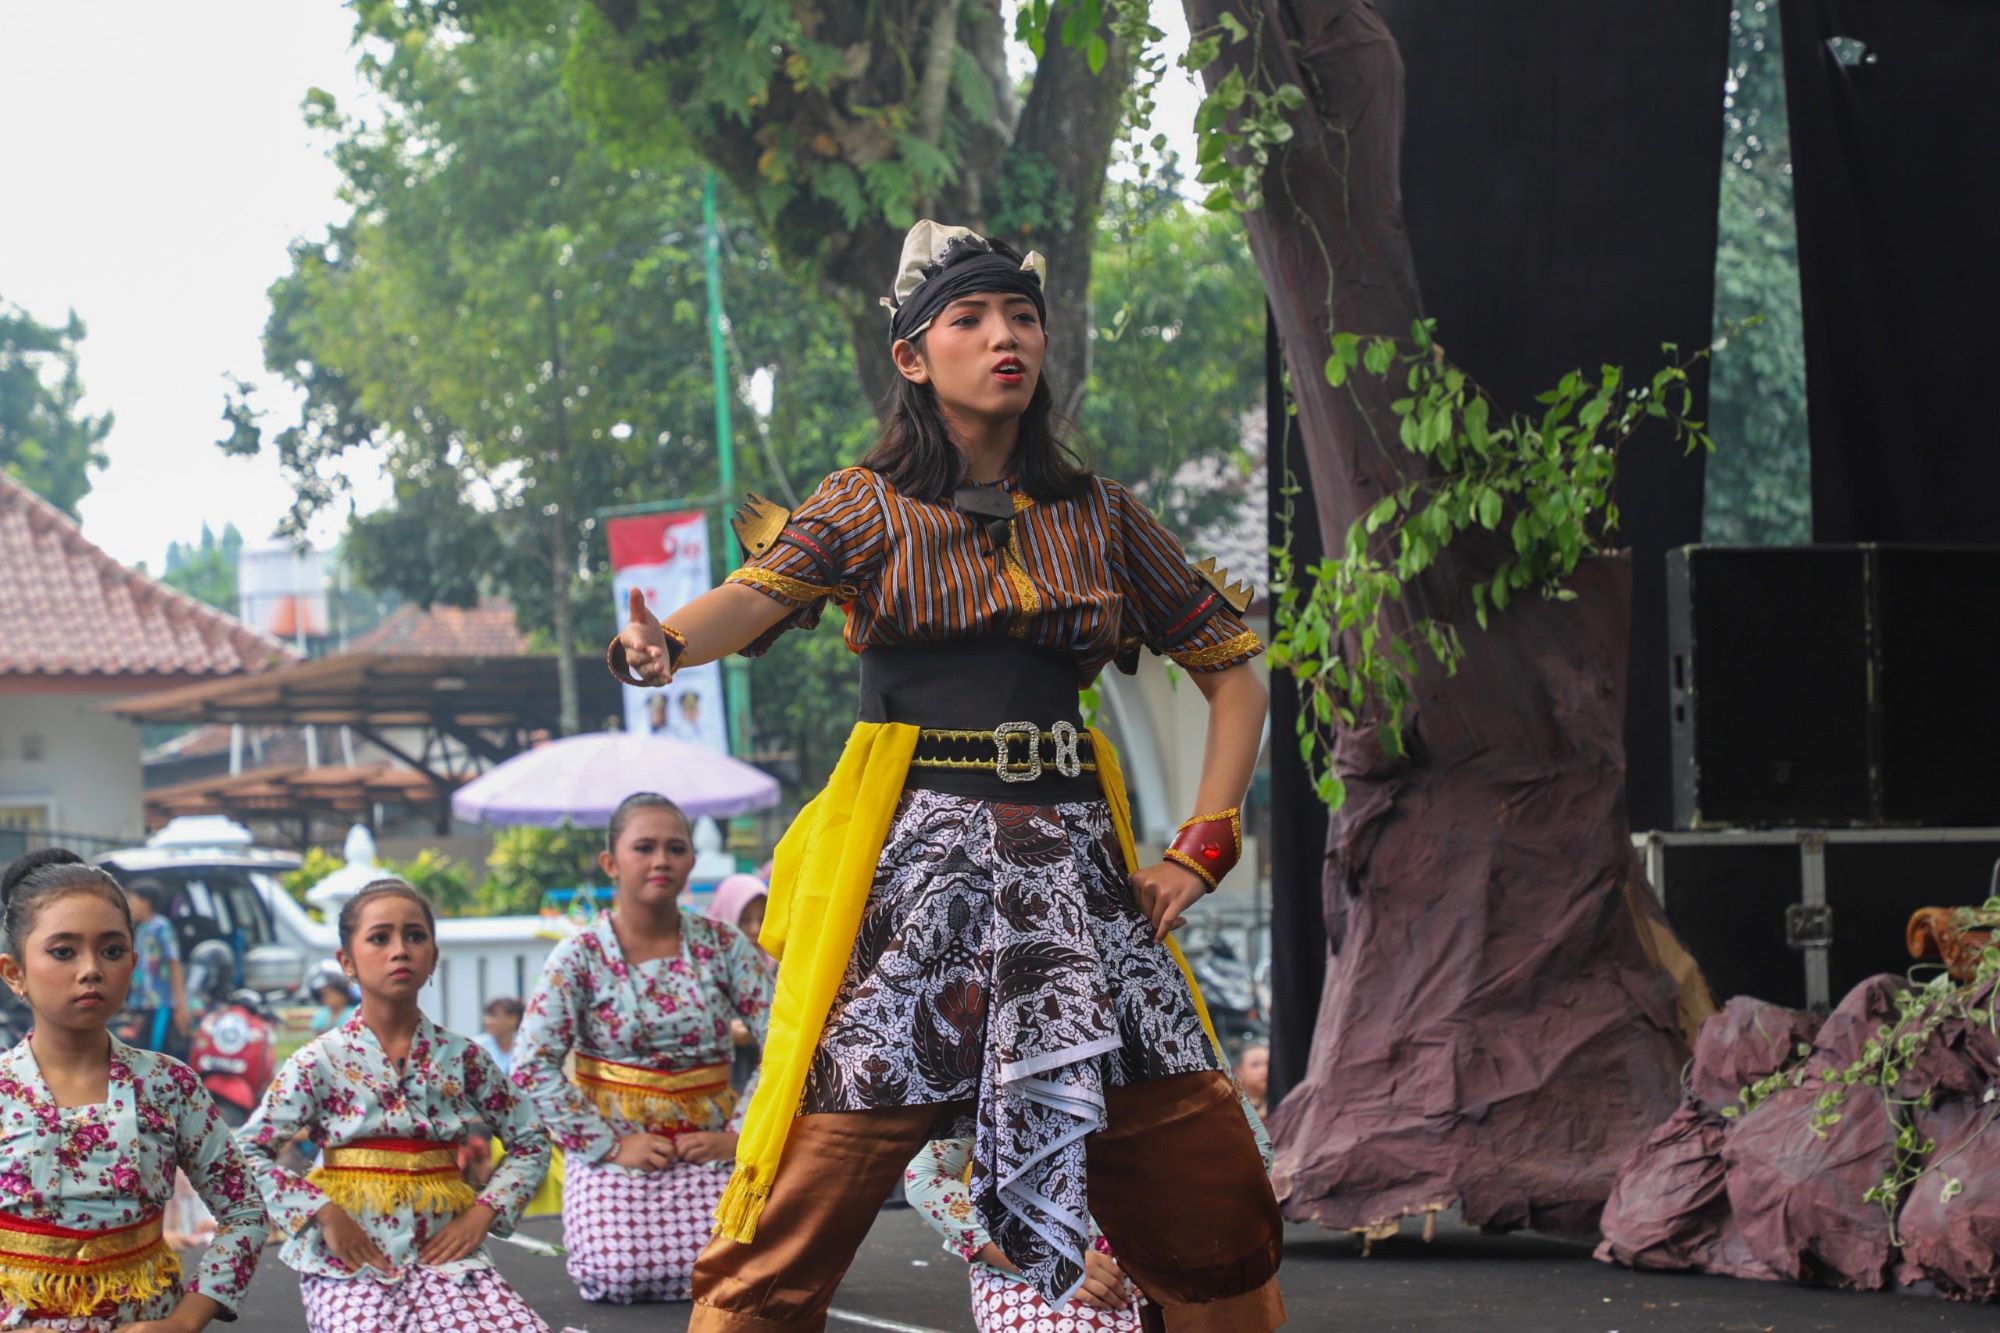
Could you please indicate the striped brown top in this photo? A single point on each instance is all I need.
(1089, 577)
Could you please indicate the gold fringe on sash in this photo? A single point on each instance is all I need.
(65, 1271)
(820, 877)
(378, 1176)
(663, 1101)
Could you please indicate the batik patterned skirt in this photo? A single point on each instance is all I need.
(632, 1236)
(1002, 959)
(109, 1318)
(424, 1301)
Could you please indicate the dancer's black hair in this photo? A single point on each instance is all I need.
(915, 454)
(637, 801)
(350, 911)
(33, 881)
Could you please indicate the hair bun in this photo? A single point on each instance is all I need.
(26, 865)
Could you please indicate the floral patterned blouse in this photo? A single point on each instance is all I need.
(343, 1087)
(672, 1012)
(112, 1164)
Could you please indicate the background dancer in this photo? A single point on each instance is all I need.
(969, 940)
(1001, 1302)
(385, 1236)
(644, 999)
(94, 1129)
(739, 902)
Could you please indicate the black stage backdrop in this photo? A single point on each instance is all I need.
(1896, 168)
(1560, 173)
(1298, 820)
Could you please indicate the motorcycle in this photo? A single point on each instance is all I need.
(1227, 986)
(235, 1053)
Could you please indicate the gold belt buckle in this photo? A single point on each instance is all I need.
(1068, 760)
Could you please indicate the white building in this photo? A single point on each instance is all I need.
(78, 630)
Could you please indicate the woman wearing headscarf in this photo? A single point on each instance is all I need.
(739, 902)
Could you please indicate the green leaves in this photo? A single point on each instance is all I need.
(1341, 631)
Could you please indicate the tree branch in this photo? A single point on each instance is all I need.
(940, 46)
(1063, 147)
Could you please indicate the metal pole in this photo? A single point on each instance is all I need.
(735, 671)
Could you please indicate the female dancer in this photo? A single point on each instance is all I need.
(644, 1000)
(92, 1130)
(967, 943)
(385, 1236)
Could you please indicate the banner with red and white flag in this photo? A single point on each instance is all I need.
(665, 556)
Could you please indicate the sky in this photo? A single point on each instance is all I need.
(154, 168)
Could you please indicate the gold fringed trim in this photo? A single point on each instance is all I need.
(1235, 646)
(660, 1099)
(378, 1176)
(742, 1201)
(60, 1270)
(377, 1194)
(791, 589)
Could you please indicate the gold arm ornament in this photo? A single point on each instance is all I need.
(1238, 595)
(758, 522)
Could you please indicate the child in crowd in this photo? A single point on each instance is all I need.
(644, 998)
(502, 1024)
(385, 1236)
(91, 1131)
(159, 982)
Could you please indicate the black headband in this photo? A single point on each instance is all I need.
(975, 273)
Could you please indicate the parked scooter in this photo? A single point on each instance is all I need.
(1227, 986)
(235, 1047)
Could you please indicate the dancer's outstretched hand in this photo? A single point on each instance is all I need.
(1164, 892)
(645, 645)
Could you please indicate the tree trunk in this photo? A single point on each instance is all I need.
(1066, 132)
(562, 545)
(1496, 1031)
(562, 567)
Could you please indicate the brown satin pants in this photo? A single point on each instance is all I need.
(1175, 1183)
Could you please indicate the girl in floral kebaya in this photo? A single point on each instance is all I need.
(644, 1000)
(91, 1131)
(385, 1235)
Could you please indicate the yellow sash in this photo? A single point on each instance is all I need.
(820, 878)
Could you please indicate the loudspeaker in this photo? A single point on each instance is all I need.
(1828, 686)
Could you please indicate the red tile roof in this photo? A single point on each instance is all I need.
(486, 630)
(69, 611)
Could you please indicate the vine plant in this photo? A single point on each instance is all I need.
(1888, 1058)
(1545, 482)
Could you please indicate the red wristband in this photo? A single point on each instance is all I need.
(1209, 845)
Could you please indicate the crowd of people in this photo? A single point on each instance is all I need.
(980, 998)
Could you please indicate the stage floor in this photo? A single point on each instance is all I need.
(1495, 1284)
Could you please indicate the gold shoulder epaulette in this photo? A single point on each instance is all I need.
(758, 522)
(1238, 595)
